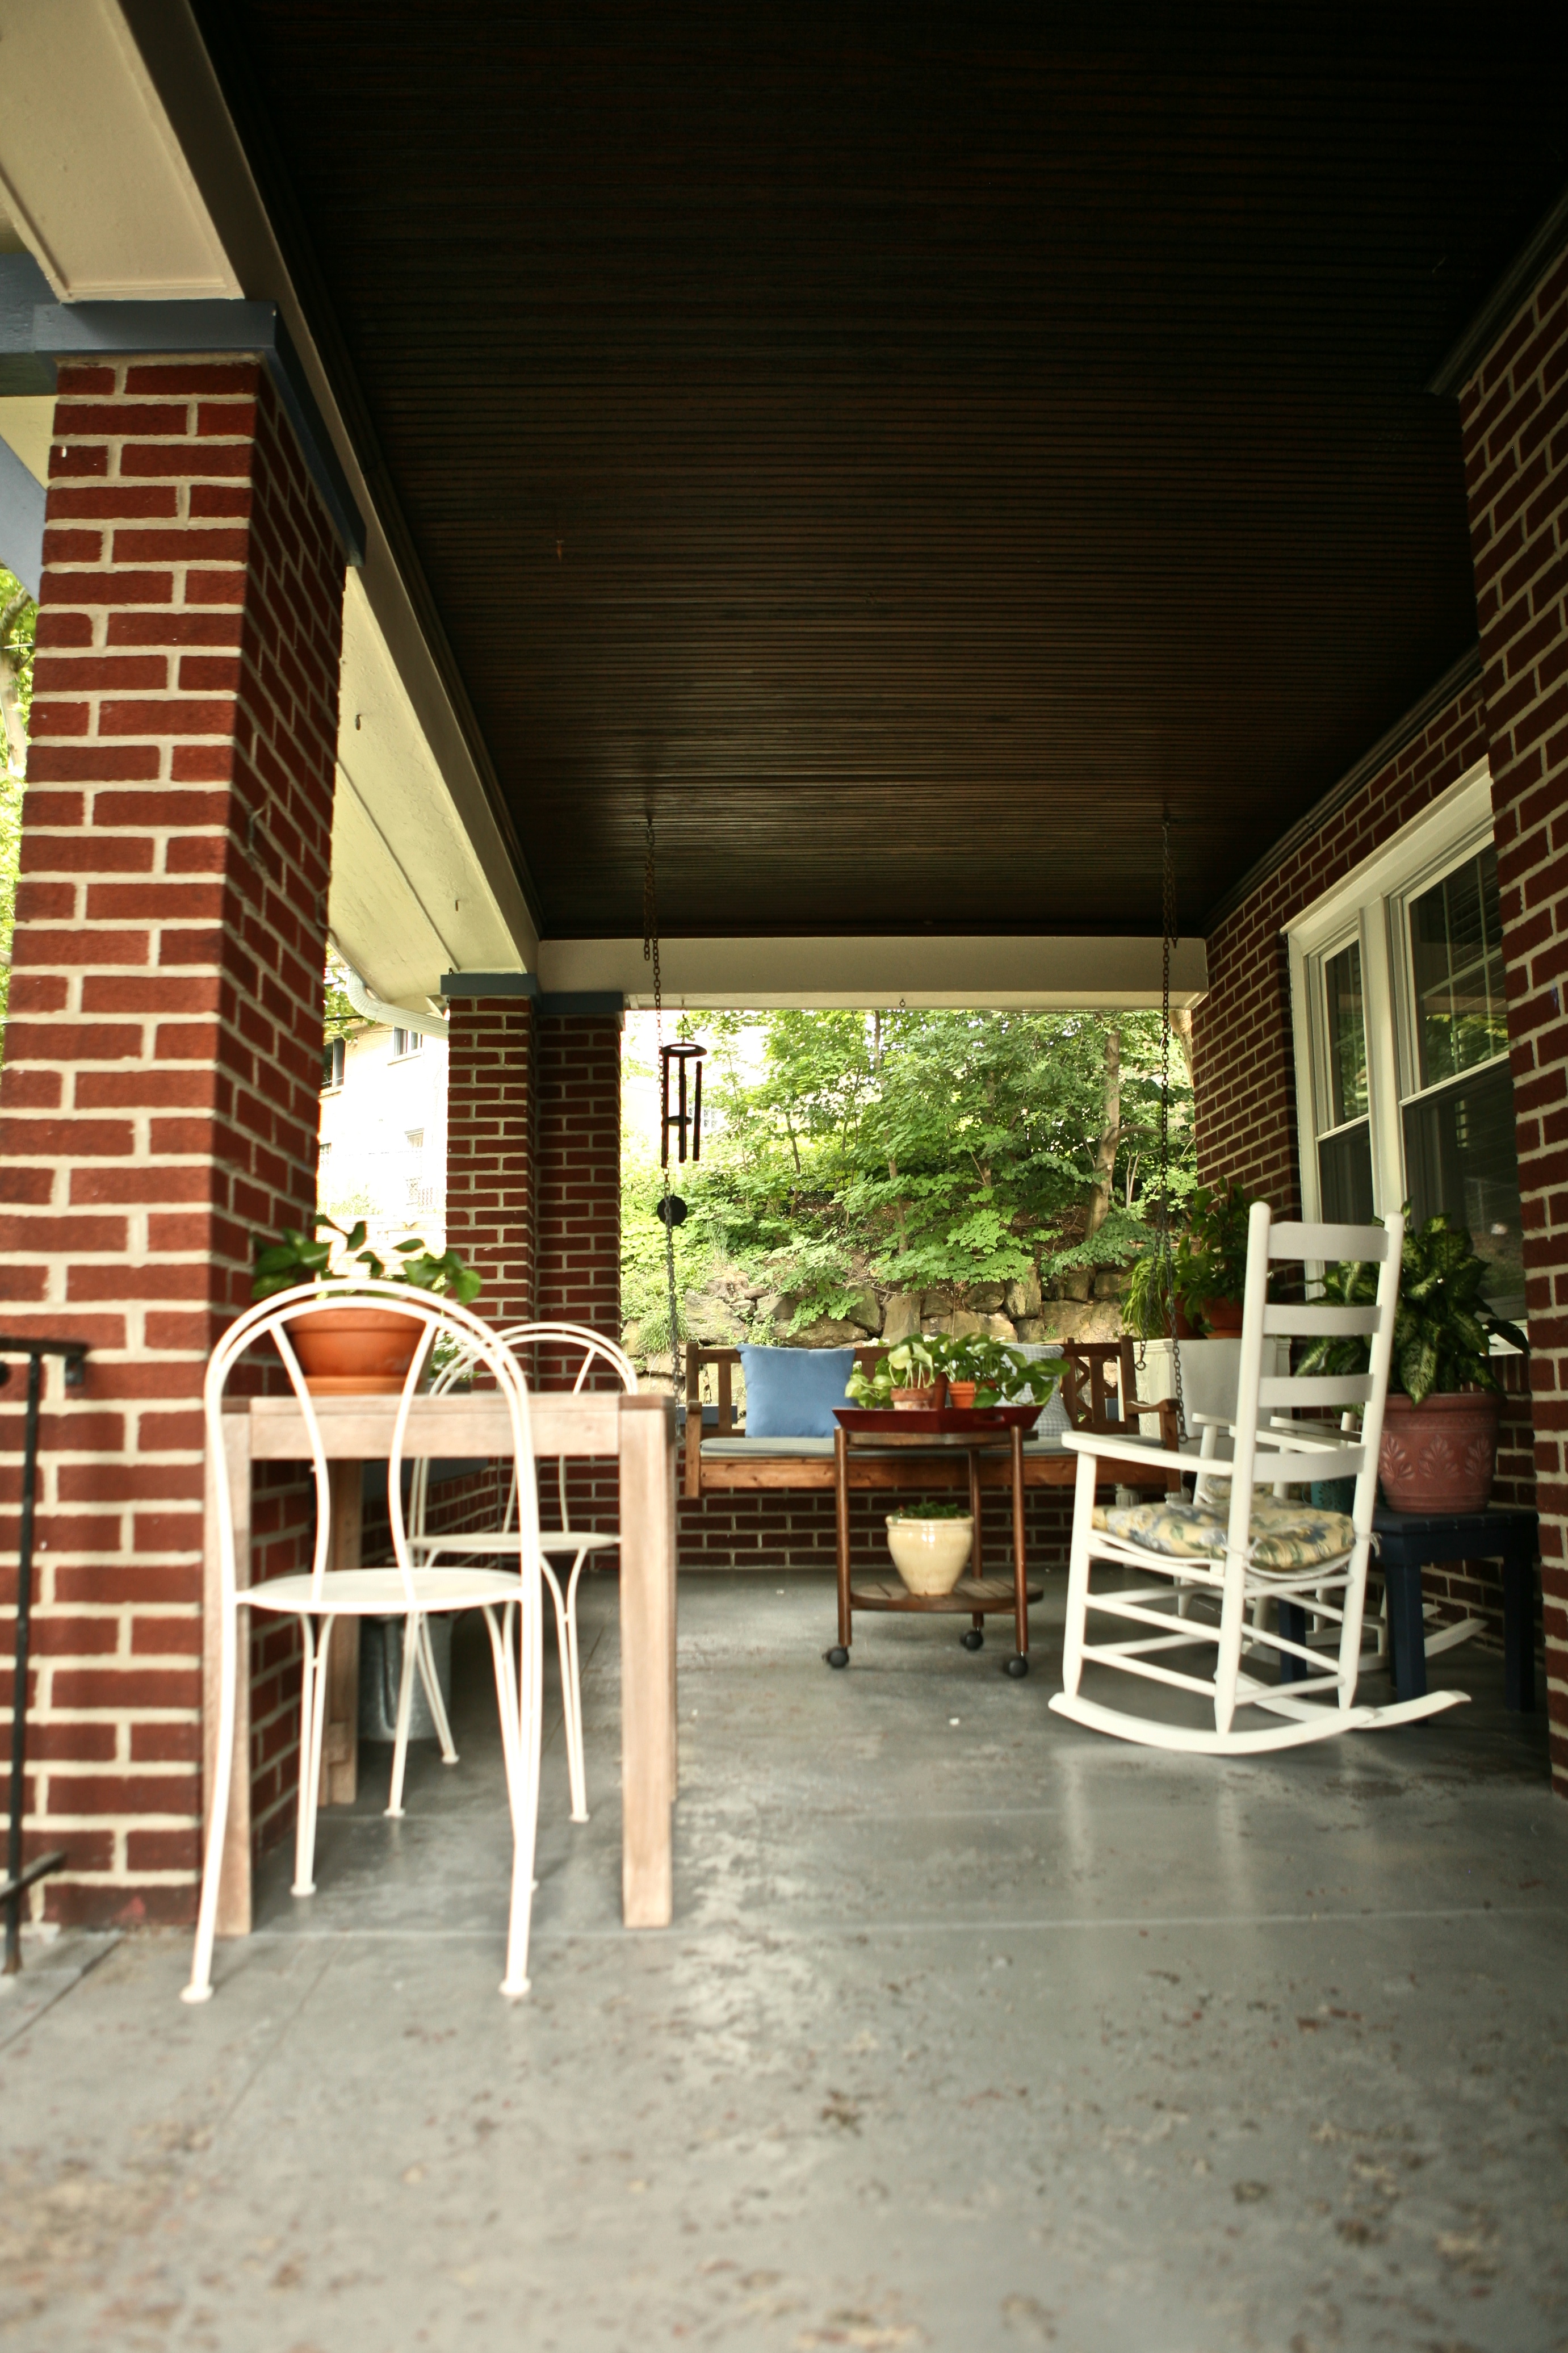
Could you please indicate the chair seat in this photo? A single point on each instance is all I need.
(1284, 1534)
(381, 1592)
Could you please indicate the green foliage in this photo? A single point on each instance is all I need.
(1001, 1374)
(644, 1289)
(1442, 1331)
(908, 1365)
(18, 622)
(947, 1509)
(917, 1148)
(303, 1258)
(1208, 1260)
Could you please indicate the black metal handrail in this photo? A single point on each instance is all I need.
(17, 1880)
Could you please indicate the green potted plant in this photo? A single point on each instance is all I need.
(930, 1544)
(1208, 1269)
(982, 1372)
(350, 1350)
(1440, 1424)
(906, 1377)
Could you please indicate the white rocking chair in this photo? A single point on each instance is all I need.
(1228, 1561)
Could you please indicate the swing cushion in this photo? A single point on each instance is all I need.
(790, 1392)
(1284, 1534)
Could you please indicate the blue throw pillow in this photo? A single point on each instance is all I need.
(790, 1392)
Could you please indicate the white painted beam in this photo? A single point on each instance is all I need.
(1046, 972)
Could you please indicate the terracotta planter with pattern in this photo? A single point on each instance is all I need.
(1440, 1455)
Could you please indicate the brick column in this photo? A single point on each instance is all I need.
(162, 1065)
(1515, 416)
(492, 1200)
(578, 1089)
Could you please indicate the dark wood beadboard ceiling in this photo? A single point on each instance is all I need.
(908, 448)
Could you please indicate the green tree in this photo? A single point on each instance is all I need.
(18, 621)
(922, 1148)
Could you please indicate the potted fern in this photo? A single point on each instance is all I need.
(930, 1544)
(1440, 1424)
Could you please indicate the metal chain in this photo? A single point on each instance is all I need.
(650, 954)
(1166, 1254)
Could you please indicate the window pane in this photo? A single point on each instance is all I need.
(1344, 1177)
(1347, 1037)
(1459, 1157)
(1455, 953)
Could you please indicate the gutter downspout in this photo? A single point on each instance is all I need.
(376, 1009)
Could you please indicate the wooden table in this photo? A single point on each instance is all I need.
(641, 1431)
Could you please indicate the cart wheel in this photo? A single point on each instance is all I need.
(973, 1641)
(837, 1657)
(1017, 1664)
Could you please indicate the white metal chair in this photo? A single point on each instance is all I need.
(1219, 1556)
(511, 1601)
(580, 1543)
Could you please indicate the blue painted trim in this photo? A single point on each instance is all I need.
(21, 520)
(35, 332)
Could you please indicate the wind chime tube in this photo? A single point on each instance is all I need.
(697, 1115)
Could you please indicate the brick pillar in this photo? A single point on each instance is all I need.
(1515, 416)
(491, 1201)
(578, 1089)
(162, 1065)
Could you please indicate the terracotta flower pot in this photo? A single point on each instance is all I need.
(349, 1351)
(961, 1395)
(1439, 1456)
(930, 1556)
(1223, 1317)
(926, 1398)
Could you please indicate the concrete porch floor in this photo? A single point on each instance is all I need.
(973, 2030)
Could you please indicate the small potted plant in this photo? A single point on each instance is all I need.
(351, 1350)
(983, 1373)
(1440, 1423)
(930, 1544)
(906, 1378)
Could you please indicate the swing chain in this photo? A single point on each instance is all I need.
(650, 954)
(1163, 1245)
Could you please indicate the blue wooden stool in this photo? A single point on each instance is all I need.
(1410, 1541)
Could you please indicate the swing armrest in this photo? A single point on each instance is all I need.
(1128, 1450)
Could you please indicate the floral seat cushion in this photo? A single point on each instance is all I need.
(1284, 1534)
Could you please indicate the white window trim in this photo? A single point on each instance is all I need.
(1366, 907)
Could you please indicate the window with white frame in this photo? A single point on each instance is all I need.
(1403, 1092)
(407, 1041)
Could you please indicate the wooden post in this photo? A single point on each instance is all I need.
(647, 1659)
(234, 1887)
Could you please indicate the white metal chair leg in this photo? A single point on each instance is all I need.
(580, 1799)
(568, 1698)
(521, 1795)
(432, 1683)
(201, 1985)
(312, 1739)
(411, 1653)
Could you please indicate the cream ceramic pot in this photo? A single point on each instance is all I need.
(930, 1556)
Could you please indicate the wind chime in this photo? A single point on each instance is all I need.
(685, 1119)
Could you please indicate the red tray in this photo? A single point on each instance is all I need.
(916, 1422)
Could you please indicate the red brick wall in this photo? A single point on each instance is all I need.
(578, 1125)
(1515, 416)
(163, 1063)
(1243, 1057)
(783, 1531)
(491, 1202)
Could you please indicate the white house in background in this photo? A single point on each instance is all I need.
(383, 1135)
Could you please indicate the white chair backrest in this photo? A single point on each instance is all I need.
(1262, 1437)
(271, 1319)
(568, 1338)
